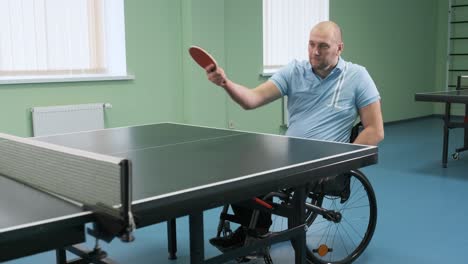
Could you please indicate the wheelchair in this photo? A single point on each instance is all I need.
(341, 216)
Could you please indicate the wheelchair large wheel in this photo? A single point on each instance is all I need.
(343, 241)
(340, 242)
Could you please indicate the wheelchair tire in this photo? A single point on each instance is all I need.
(343, 242)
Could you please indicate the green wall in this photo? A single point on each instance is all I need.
(398, 41)
(153, 56)
(397, 45)
(205, 103)
(244, 63)
(395, 41)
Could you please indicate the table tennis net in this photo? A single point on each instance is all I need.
(84, 177)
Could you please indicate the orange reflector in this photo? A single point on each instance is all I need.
(322, 250)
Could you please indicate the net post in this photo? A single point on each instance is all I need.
(126, 196)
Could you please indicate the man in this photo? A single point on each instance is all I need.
(325, 96)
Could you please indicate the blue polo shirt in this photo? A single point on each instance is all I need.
(324, 109)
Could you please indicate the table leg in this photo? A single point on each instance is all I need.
(465, 136)
(446, 135)
(465, 121)
(197, 247)
(61, 256)
(300, 241)
(172, 238)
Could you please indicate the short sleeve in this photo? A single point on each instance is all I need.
(282, 78)
(367, 92)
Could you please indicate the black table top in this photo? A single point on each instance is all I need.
(173, 164)
(453, 96)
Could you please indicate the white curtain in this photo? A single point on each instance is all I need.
(286, 26)
(50, 36)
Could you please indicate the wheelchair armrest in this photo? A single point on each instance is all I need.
(282, 195)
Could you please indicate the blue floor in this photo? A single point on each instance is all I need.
(422, 209)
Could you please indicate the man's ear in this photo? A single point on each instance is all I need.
(340, 47)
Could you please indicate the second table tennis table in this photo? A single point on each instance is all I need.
(459, 96)
(177, 170)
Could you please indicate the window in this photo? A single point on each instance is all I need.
(61, 40)
(286, 26)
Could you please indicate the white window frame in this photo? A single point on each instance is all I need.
(62, 41)
(286, 27)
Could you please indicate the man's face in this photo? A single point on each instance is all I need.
(324, 49)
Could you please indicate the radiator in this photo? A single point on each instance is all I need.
(61, 119)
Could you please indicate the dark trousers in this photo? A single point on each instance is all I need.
(244, 213)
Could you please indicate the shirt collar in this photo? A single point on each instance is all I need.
(340, 65)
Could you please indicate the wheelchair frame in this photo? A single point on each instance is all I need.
(285, 205)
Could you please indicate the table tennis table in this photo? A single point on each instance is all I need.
(459, 96)
(176, 170)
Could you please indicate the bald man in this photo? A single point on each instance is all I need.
(325, 96)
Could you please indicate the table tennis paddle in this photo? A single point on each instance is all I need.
(202, 57)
